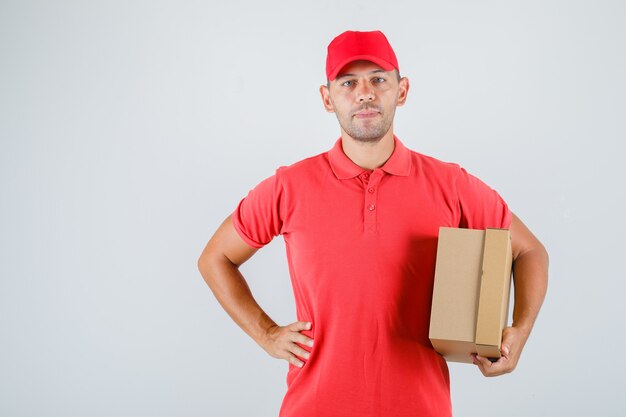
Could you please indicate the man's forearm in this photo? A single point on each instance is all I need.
(233, 293)
(530, 272)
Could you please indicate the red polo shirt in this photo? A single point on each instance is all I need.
(361, 248)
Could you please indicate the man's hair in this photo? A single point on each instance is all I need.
(398, 77)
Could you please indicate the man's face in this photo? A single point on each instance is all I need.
(364, 97)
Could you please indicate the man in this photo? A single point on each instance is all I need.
(360, 224)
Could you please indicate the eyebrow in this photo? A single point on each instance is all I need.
(353, 75)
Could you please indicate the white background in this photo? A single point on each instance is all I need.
(130, 129)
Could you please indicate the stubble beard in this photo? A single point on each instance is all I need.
(366, 131)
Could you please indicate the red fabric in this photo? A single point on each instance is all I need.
(354, 46)
(361, 250)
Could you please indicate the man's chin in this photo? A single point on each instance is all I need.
(367, 139)
(366, 134)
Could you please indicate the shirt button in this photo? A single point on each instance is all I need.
(371, 207)
(366, 175)
(370, 190)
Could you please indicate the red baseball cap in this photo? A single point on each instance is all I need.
(354, 46)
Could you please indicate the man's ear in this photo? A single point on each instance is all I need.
(403, 86)
(325, 93)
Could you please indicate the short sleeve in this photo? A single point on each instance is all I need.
(481, 207)
(257, 217)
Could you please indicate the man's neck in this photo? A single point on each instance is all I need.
(368, 155)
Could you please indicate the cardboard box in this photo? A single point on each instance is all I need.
(471, 292)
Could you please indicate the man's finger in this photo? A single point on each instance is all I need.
(485, 365)
(298, 351)
(295, 361)
(300, 325)
(488, 368)
(505, 350)
(302, 339)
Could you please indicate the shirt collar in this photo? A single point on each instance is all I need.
(399, 163)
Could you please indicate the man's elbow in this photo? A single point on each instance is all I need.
(541, 251)
(202, 263)
(545, 254)
(206, 263)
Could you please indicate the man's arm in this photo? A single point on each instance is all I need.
(219, 265)
(530, 274)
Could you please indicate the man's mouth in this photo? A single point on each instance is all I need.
(366, 113)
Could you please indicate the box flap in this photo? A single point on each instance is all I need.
(494, 292)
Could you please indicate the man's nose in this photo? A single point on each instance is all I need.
(365, 93)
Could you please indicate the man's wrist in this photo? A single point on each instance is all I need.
(265, 335)
(524, 328)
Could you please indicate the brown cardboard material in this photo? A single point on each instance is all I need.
(471, 292)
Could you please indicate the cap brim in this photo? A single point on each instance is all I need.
(376, 60)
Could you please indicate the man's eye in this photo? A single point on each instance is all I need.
(379, 80)
(347, 83)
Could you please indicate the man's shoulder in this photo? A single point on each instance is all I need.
(306, 166)
(432, 164)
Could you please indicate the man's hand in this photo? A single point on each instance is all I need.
(513, 341)
(280, 342)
